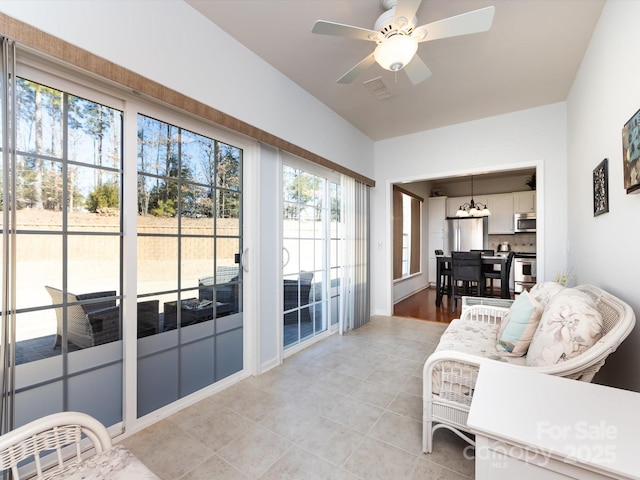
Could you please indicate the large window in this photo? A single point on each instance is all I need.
(189, 273)
(407, 232)
(61, 204)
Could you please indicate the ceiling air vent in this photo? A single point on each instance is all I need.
(377, 88)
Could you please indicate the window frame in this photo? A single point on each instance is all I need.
(40, 69)
(415, 248)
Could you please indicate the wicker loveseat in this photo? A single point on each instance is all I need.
(450, 373)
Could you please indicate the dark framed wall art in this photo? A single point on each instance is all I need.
(601, 188)
(631, 153)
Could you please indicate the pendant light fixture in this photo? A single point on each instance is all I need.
(473, 209)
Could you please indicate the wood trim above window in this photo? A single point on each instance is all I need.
(407, 192)
(43, 42)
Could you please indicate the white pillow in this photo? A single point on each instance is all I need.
(519, 325)
(545, 291)
(570, 325)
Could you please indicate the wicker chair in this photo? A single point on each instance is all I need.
(221, 288)
(88, 324)
(40, 445)
(447, 395)
(91, 324)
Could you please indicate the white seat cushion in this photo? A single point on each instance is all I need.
(474, 338)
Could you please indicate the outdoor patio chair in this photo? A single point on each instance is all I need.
(296, 293)
(221, 288)
(88, 324)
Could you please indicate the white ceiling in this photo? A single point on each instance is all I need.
(528, 58)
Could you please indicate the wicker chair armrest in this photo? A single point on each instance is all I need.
(105, 324)
(36, 440)
(467, 365)
(484, 313)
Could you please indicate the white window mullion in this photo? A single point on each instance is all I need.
(130, 214)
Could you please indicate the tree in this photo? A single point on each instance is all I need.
(104, 198)
(164, 209)
(228, 177)
(96, 121)
(39, 111)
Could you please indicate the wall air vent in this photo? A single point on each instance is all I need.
(377, 88)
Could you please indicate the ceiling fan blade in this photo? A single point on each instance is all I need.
(349, 31)
(406, 9)
(417, 70)
(351, 75)
(471, 22)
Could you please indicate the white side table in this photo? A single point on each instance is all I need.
(534, 426)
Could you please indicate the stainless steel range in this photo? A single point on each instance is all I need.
(524, 271)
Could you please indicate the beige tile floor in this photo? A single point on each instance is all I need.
(348, 407)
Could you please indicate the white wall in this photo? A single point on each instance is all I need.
(604, 249)
(173, 44)
(529, 138)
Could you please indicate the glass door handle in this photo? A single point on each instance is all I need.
(285, 254)
(244, 265)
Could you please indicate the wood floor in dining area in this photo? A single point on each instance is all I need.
(422, 305)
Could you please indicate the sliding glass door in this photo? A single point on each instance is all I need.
(62, 249)
(311, 274)
(76, 290)
(189, 252)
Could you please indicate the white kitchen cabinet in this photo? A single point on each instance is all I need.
(437, 212)
(524, 202)
(501, 218)
(453, 203)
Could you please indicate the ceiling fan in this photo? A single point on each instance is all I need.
(397, 37)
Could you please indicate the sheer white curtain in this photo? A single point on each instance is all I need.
(354, 294)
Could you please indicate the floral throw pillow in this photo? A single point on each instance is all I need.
(570, 325)
(519, 325)
(543, 292)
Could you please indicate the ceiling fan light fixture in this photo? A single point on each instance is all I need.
(395, 52)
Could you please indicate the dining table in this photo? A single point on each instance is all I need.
(501, 260)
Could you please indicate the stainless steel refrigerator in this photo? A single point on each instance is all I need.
(466, 233)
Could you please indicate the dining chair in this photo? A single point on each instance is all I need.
(445, 275)
(494, 274)
(488, 269)
(467, 278)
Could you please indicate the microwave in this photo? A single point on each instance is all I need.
(525, 222)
